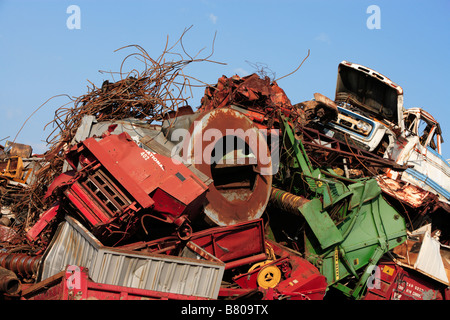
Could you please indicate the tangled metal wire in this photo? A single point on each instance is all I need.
(147, 95)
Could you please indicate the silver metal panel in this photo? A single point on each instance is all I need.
(72, 244)
(429, 259)
(156, 272)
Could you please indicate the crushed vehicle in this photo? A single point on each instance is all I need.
(372, 117)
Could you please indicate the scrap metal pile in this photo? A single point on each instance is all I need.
(248, 197)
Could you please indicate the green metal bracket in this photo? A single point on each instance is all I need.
(298, 151)
(321, 224)
(367, 229)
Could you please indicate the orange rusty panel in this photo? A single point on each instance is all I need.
(19, 149)
(252, 91)
(409, 194)
(241, 189)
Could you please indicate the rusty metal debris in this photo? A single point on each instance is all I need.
(247, 197)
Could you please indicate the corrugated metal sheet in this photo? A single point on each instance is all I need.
(75, 245)
(158, 272)
(72, 244)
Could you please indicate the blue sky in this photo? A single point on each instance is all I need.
(40, 57)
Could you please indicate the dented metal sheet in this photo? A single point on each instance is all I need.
(370, 91)
(116, 183)
(235, 245)
(156, 272)
(18, 149)
(75, 245)
(430, 260)
(72, 244)
(405, 192)
(424, 253)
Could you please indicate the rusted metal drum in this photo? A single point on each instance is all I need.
(225, 145)
(9, 283)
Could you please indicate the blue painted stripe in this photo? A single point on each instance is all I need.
(438, 155)
(431, 183)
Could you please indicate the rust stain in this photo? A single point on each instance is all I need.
(239, 192)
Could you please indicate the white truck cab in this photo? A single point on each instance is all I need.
(371, 112)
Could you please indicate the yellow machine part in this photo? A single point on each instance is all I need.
(12, 168)
(269, 277)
